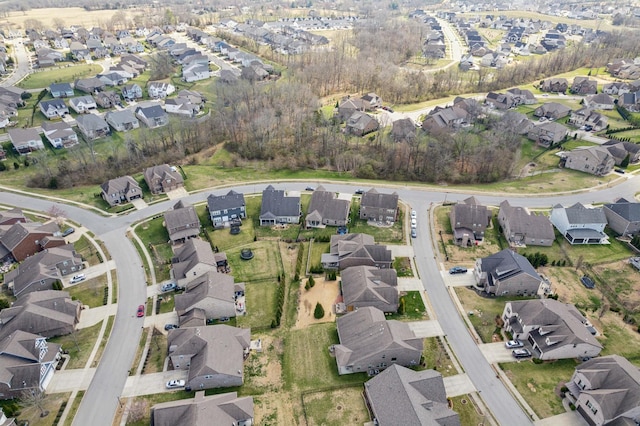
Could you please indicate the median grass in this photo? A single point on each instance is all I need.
(74, 408)
(78, 345)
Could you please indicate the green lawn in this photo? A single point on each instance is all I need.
(485, 311)
(225, 241)
(74, 408)
(436, 357)
(79, 346)
(468, 411)
(67, 73)
(413, 305)
(88, 252)
(90, 292)
(266, 263)
(340, 406)
(52, 403)
(317, 249)
(157, 353)
(155, 237)
(536, 383)
(260, 298)
(402, 265)
(307, 363)
(167, 303)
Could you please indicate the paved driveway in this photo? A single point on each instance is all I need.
(410, 284)
(459, 280)
(496, 352)
(428, 328)
(570, 418)
(401, 251)
(457, 385)
(139, 203)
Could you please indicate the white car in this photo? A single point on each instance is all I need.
(77, 278)
(173, 384)
(414, 215)
(414, 223)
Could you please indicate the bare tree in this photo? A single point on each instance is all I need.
(57, 213)
(138, 411)
(34, 398)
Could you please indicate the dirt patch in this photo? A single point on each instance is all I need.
(324, 292)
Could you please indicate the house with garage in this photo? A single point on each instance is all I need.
(278, 207)
(522, 96)
(112, 79)
(588, 117)
(552, 111)
(623, 217)
(500, 101)
(554, 330)
(152, 116)
(555, 85)
(624, 149)
(122, 121)
(131, 92)
(213, 355)
(61, 90)
(369, 286)
(403, 129)
(89, 85)
(327, 209)
(163, 178)
(360, 123)
(548, 133)
(182, 106)
(348, 106)
(191, 260)
(92, 126)
(580, 224)
(356, 250)
(83, 104)
(606, 391)
(158, 89)
(54, 108)
(522, 228)
(224, 209)
(507, 273)
(48, 313)
(195, 72)
(584, 86)
(379, 207)
(599, 101)
(399, 395)
(59, 134)
(449, 118)
(120, 190)
(370, 343)
(182, 222)
(226, 408)
(469, 219)
(108, 99)
(213, 293)
(371, 101)
(595, 159)
(25, 141)
(27, 364)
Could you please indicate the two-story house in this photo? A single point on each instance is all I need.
(163, 178)
(224, 209)
(182, 222)
(469, 219)
(120, 190)
(580, 224)
(379, 207)
(507, 273)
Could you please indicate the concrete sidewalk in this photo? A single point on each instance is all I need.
(70, 380)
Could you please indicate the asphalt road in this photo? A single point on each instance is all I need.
(99, 403)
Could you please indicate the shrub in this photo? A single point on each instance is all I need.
(537, 361)
(401, 306)
(573, 407)
(564, 389)
(307, 286)
(318, 312)
(311, 281)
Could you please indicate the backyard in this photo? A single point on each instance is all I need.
(260, 298)
(68, 72)
(340, 406)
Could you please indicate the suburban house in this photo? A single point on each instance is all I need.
(25, 141)
(623, 217)
(521, 228)
(47, 313)
(214, 355)
(599, 101)
(223, 209)
(108, 99)
(449, 118)
(226, 409)
(522, 96)
(507, 273)
(584, 86)
(54, 108)
(348, 106)
(152, 116)
(554, 329)
(403, 129)
(92, 126)
(82, 104)
(89, 85)
(163, 178)
(596, 160)
(22, 240)
(368, 342)
(371, 101)
(469, 219)
(556, 85)
(579, 224)
(552, 111)
(41, 269)
(182, 222)
(61, 90)
(360, 123)
(588, 117)
(181, 105)
(401, 396)
(501, 101)
(548, 133)
(369, 286)
(9, 217)
(112, 79)
(131, 92)
(379, 207)
(193, 259)
(195, 72)
(120, 190)
(620, 151)
(356, 250)
(213, 293)
(278, 207)
(606, 391)
(157, 89)
(27, 363)
(325, 209)
(59, 134)
(122, 121)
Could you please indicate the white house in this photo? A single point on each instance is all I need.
(579, 224)
(195, 72)
(83, 104)
(158, 89)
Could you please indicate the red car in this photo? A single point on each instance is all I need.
(140, 312)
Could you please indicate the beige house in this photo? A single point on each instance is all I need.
(596, 160)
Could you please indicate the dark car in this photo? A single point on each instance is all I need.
(458, 270)
(359, 191)
(587, 282)
(414, 233)
(68, 231)
(170, 326)
(342, 230)
(309, 188)
(521, 353)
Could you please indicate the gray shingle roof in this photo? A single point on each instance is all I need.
(230, 200)
(275, 202)
(210, 285)
(522, 222)
(507, 263)
(370, 286)
(625, 209)
(579, 214)
(325, 204)
(373, 198)
(193, 252)
(226, 409)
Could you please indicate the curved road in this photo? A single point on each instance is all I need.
(100, 401)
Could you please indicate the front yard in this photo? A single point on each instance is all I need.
(483, 312)
(90, 292)
(78, 345)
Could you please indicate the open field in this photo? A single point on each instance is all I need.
(68, 73)
(537, 383)
(70, 15)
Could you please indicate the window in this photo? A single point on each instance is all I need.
(394, 359)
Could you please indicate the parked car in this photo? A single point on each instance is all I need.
(173, 384)
(359, 191)
(68, 231)
(168, 286)
(414, 223)
(458, 270)
(587, 282)
(414, 215)
(414, 233)
(168, 327)
(77, 278)
(309, 188)
(512, 344)
(140, 312)
(521, 353)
